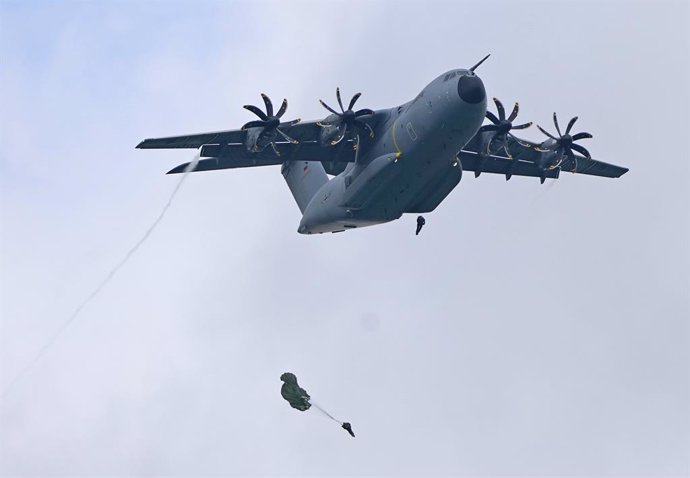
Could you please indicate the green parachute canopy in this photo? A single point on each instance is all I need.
(293, 393)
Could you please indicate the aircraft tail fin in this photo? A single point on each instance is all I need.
(304, 178)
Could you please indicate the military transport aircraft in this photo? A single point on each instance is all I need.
(388, 162)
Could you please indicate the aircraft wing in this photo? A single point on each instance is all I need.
(308, 131)
(526, 155)
(231, 156)
(471, 161)
(226, 149)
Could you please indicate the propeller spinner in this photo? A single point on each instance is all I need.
(502, 126)
(564, 144)
(270, 126)
(346, 120)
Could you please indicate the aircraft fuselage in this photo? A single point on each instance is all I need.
(410, 165)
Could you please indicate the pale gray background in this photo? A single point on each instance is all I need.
(529, 330)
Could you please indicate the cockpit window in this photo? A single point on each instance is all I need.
(452, 74)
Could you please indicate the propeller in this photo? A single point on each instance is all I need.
(564, 144)
(270, 123)
(346, 120)
(502, 126)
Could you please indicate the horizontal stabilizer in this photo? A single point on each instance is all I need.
(211, 164)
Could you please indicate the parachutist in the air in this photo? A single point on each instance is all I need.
(348, 427)
(298, 398)
(420, 224)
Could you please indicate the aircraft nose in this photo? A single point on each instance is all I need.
(471, 89)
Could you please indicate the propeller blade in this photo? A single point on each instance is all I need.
(354, 100)
(256, 111)
(275, 148)
(364, 112)
(282, 109)
(269, 105)
(581, 150)
(570, 125)
(501, 110)
(555, 121)
(559, 158)
(488, 143)
(326, 124)
(363, 125)
(340, 137)
(290, 123)
(254, 124)
(519, 141)
(287, 138)
(522, 126)
(340, 102)
(505, 146)
(546, 133)
(489, 127)
(492, 117)
(514, 114)
(329, 108)
(582, 136)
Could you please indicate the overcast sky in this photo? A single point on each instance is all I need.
(529, 330)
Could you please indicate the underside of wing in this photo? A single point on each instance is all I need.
(472, 161)
(495, 149)
(230, 156)
(581, 165)
(193, 141)
(308, 131)
(519, 157)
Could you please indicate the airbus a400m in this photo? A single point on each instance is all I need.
(358, 168)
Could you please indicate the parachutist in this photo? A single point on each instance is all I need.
(420, 224)
(348, 427)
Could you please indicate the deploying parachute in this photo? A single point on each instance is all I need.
(293, 393)
(298, 398)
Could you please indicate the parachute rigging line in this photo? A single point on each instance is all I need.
(325, 412)
(192, 165)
